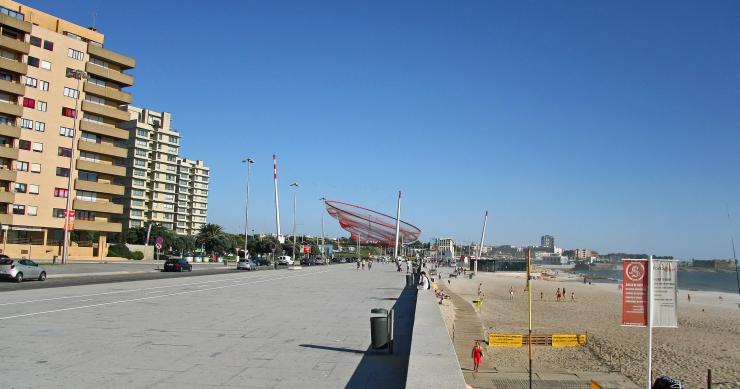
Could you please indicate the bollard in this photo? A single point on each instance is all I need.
(409, 280)
(709, 378)
(379, 329)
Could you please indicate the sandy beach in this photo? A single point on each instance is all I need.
(708, 335)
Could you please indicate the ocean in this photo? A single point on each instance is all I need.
(691, 280)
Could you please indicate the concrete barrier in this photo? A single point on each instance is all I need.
(432, 360)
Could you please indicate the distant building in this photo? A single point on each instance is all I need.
(446, 248)
(547, 241)
(584, 254)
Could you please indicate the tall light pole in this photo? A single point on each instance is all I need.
(294, 185)
(398, 226)
(277, 203)
(79, 75)
(480, 247)
(322, 232)
(249, 162)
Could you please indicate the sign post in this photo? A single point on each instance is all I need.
(158, 245)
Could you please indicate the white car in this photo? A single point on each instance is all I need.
(285, 260)
(21, 269)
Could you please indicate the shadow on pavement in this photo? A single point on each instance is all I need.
(377, 369)
(342, 349)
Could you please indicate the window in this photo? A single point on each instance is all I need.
(141, 143)
(38, 147)
(21, 166)
(99, 62)
(171, 158)
(90, 137)
(139, 173)
(26, 123)
(36, 41)
(69, 112)
(68, 132)
(11, 13)
(36, 168)
(88, 156)
(19, 209)
(60, 192)
(142, 132)
(62, 172)
(46, 65)
(95, 99)
(73, 93)
(169, 206)
(85, 215)
(24, 144)
(138, 182)
(43, 85)
(96, 81)
(33, 189)
(32, 210)
(136, 212)
(29, 102)
(137, 192)
(49, 45)
(86, 196)
(41, 106)
(173, 139)
(76, 54)
(137, 203)
(92, 118)
(20, 188)
(141, 153)
(65, 152)
(57, 212)
(88, 176)
(40, 126)
(33, 61)
(139, 162)
(32, 82)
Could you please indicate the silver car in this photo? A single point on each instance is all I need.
(20, 269)
(245, 264)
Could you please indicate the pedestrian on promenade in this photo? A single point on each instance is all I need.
(511, 292)
(358, 263)
(477, 355)
(369, 264)
(424, 281)
(541, 295)
(572, 296)
(363, 264)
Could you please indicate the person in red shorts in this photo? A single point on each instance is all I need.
(477, 355)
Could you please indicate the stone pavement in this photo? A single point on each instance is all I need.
(280, 329)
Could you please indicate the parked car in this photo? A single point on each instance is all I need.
(177, 264)
(263, 262)
(319, 261)
(20, 269)
(246, 264)
(285, 260)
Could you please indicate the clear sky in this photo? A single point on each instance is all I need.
(610, 125)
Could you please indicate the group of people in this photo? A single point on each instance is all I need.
(361, 264)
(561, 296)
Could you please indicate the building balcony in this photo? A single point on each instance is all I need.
(103, 168)
(109, 74)
(98, 206)
(13, 66)
(10, 131)
(8, 175)
(11, 109)
(103, 129)
(97, 226)
(8, 152)
(99, 187)
(14, 44)
(108, 93)
(101, 148)
(6, 219)
(105, 110)
(12, 87)
(7, 197)
(15, 23)
(111, 56)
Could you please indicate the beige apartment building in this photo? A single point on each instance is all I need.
(162, 188)
(40, 108)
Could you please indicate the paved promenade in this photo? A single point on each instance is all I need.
(273, 329)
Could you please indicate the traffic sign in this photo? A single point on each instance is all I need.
(273, 248)
(306, 249)
(159, 242)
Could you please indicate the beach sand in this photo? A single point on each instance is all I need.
(708, 333)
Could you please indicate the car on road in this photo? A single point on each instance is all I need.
(319, 261)
(21, 269)
(285, 260)
(246, 264)
(177, 264)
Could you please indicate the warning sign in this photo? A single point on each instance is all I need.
(568, 340)
(505, 340)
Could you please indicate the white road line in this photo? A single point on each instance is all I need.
(82, 301)
(154, 297)
(119, 291)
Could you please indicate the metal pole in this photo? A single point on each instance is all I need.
(398, 226)
(79, 75)
(480, 247)
(277, 203)
(295, 184)
(732, 239)
(650, 322)
(529, 299)
(249, 162)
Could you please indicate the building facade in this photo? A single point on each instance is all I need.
(50, 122)
(162, 187)
(547, 241)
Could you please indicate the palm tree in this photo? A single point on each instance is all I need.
(212, 237)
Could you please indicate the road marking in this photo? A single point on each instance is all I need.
(121, 291)
(155, 297)
(82, 301)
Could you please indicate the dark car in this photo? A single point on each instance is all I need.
(177, 264)
(306, 261)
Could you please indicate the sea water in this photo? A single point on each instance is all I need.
(719, 281)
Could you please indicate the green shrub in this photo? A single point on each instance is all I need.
(119, 250)
(137, 255)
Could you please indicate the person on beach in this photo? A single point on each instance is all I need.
(557, 295)
(564, 294)
(480, 285)
(572, 297)
(477, 355)
(689, 296)
(541, 295)
(511, 292)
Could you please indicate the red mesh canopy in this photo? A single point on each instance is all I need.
(370, 226)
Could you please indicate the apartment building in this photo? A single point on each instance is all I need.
(40, 109)
(162, 187)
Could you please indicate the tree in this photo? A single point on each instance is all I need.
(213, 238)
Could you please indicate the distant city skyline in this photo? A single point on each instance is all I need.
(611, 126)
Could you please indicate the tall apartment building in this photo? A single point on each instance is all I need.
(40, 106)
(162, 187)
(547, 241)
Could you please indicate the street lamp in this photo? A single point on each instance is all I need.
(321, 249)
(294, 185)
(249, 162)
(79, 75)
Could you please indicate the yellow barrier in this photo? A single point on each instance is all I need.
(505, 340)
(567, 340)
(554, 340)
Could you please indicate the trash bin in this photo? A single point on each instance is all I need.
(470, 276)
(379, 334)
(409, 280)
(54, 259)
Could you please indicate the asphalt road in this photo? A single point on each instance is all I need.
(267, 329)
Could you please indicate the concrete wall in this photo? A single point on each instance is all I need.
(147, 250)
(433, 362)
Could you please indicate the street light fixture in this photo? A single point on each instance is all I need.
(294, 185)
(249, 162)
(321, 249)
(79, 75)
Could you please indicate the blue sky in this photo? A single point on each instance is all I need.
(610, 125)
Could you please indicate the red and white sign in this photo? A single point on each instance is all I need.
(635, 292)
(70, 219)
(306, 249)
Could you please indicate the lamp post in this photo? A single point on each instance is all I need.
(294, 185)
(322, 233)
(249, 162)
(79, 75)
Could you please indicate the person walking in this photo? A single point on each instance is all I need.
(480, 285)
(564, 294)
(369, 264)
(358, 263)
(572, 297)
(511, 292)
(541, 295)
(477, 355)
(557, 295)
(363, 264)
